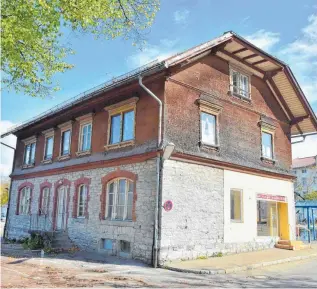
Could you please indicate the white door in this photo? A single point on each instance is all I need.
(61, 212)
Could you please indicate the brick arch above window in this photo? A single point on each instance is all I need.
(43, 185)
(79, 182)
(20, 188)
(112, 176)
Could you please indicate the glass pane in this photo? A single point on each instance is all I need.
(235, 205)
(130, 198)
(244, 85)
(49, 148)
(131, 187)
(115, 131)
(119, 212)
(86, 137)
(122, 184)
(27, 154)
(267, 145)
(33, 153)
(129, 212)
(267, 218)
(66, 142)
(109, 212)
(128, 125)
(208, 128)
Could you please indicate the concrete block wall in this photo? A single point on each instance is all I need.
(87, 233)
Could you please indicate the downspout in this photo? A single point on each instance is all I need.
(158, 170)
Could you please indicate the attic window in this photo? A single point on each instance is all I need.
(240, 83)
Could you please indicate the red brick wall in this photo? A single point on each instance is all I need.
(146, 122)
(240, 135)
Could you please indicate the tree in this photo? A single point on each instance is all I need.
(4, 193)
(311, 196)
(32, 42)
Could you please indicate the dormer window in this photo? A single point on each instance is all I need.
(240, 83)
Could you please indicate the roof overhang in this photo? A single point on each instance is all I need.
(234, 49)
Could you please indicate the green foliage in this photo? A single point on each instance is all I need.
(202, 257)
(4, 193)
(33, 47)
(35, 242)
(311, 196)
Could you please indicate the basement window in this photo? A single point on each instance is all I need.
(107, 244)
(125, 247)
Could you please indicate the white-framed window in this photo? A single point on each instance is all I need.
(208, 128)
(267, 145)
(122, 127)
(236, 202)
(29, 153)
(85, 137)
(66, 140)
(119, 199)
(49, 144)
(240, 83)
(45, 201)
(81, 201)
(25, 201)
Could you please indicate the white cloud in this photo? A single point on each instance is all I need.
(306, 148)
(181, 16)
(301, 55)
(150, 53)
(6, 154)
(264, 39)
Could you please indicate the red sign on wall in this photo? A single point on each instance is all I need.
(168, 205)
(272, 197)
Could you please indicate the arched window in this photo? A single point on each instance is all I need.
(119, 199)
(82, 199)
(25, 201)
(45, 201)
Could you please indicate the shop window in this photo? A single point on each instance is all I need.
(236, 205)
(267, 218)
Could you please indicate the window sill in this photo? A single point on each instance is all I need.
(127, 223)
(119, 145)
(236, 221)
(83, 153)
(48, 161)
(28, 166)
(63, 158)
(239, 96)
(268, 161)
(210, 147)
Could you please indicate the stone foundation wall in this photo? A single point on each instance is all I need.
(88, 233)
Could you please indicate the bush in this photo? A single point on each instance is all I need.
(35, 242)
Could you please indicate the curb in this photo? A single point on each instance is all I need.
(239, 268)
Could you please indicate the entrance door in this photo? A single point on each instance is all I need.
(61, 212)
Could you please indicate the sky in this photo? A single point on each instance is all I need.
(180, 24)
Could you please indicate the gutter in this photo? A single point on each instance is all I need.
(158, 173)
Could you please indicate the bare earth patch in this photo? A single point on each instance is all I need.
(19, 273)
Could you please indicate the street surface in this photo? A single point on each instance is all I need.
(51, 272)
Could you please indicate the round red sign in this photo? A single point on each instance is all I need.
(168, 205)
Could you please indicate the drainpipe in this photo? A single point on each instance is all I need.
(158, 170)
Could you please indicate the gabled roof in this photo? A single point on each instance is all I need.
(232, 48)
(304, 162)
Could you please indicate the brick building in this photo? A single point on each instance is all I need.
(208, 129)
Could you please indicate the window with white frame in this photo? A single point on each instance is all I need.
(236, 205)
(25, 201)
(85, 137)
(29, 153)
(208, 128)
(120, 199)
(267, 145)
(45, 201)
(82, 199)
(239, 83)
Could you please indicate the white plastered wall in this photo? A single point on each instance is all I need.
(252, 185)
